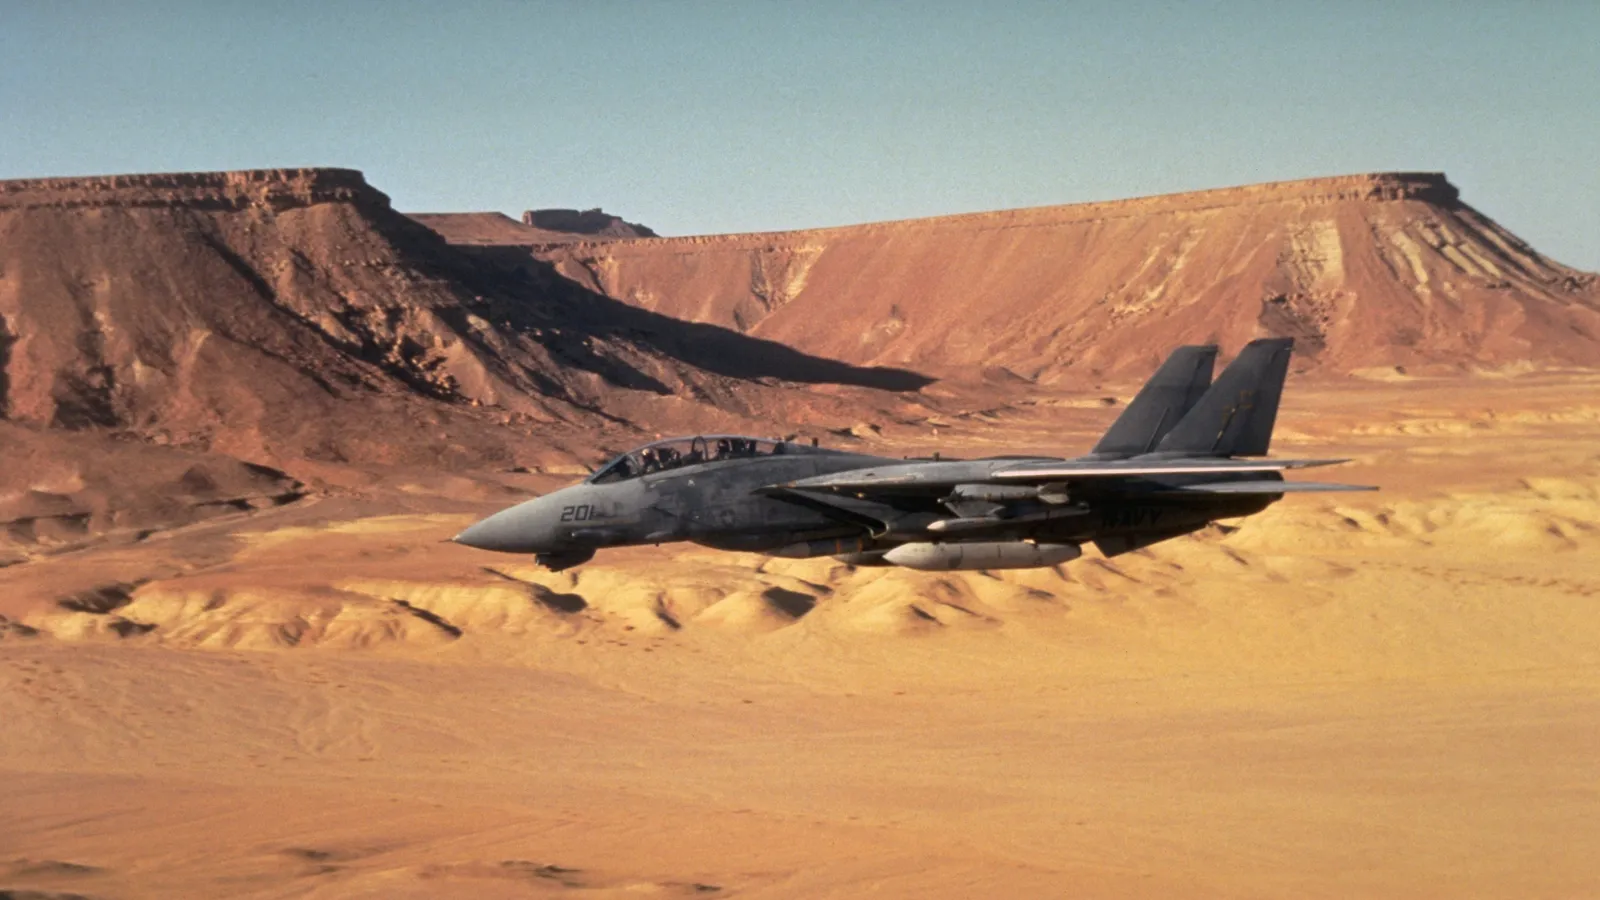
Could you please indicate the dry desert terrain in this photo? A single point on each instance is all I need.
(1393, 694)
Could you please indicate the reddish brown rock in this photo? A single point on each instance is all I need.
(538, 226)
(488, 229)
(1366, 270)
(595, 222)
(291, 314)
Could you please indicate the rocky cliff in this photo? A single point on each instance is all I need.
(277, 189)
(538, 226)
(292, 314)
(1365, 271)
(596, 222)
(487, 229)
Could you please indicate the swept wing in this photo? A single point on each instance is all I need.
(930, 476)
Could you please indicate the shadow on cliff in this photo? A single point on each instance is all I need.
(711, 348)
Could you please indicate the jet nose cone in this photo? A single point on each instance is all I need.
(515, 530)
(475, 535)
(481, 536)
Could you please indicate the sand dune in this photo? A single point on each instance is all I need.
(1384, 695)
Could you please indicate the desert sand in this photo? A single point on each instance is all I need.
(244, 412)
(1387, 695)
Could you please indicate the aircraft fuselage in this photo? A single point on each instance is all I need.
(723, 504)
(1170, 464)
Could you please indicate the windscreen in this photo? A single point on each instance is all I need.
(675, 453)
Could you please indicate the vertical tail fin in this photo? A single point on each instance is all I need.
(1160, 404)
(1235, 417)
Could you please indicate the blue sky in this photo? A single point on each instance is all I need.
(696, 117)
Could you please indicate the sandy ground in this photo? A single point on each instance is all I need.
(1382, 695)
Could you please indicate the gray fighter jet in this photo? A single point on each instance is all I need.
(1168, 466)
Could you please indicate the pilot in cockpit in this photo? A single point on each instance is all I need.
(724, 449)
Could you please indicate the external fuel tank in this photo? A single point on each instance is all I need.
(945, 556)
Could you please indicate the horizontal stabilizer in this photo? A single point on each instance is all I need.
(1265, 487)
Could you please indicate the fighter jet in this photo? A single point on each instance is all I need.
(1170, 465)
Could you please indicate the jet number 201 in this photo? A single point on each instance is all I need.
(582, 512)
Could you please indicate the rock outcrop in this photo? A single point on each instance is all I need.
(1366, 271)
(276, 189)
(477, 229)
(288, 314)
(538, 226)
(596, 222)
(262, 314)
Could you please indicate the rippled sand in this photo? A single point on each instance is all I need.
(1391, 694)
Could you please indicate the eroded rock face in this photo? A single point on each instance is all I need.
(279, 314)
(270, 188)
(537, 227)
(1367, 270)
(595, 222)
(480, 229)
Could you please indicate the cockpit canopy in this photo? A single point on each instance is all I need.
(673, 453)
